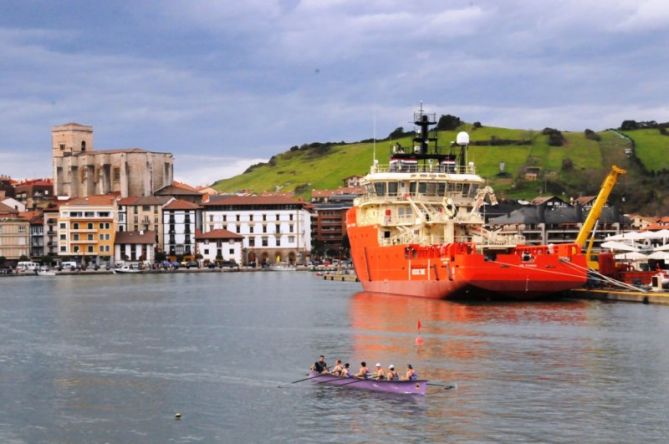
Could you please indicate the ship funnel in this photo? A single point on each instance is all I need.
(462, 138)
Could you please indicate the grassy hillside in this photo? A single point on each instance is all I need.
(575, 168)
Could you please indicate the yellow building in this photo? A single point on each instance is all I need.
(86, 228)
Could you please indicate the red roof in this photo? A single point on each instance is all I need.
(252, 200)
(135, 237)
(179, 204)
(96, 200)
(6, 209)
(217, 234)
(144, 200)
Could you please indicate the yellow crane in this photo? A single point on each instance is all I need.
(596, 211)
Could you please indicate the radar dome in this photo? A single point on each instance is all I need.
(462, 138)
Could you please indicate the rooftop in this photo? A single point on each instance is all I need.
(179, 204)
(217, 234)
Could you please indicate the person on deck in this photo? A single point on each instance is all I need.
(346, 372)
(379, 373)
(392, 375)
(320, 366)
(411, 374)
(363, 372)
(337, 368)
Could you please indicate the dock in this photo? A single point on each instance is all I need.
(650, 297)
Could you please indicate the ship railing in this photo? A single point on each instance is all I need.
(426, 168)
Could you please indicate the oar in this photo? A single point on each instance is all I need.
(352, 382)
(306, 379)
(445, 386)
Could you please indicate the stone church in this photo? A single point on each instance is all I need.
(80, 171)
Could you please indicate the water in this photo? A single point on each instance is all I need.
(113, 358)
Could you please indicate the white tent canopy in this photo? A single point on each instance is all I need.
(622, 246)
(659, 255)
(632, 256)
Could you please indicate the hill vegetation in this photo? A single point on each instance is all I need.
(519, 164)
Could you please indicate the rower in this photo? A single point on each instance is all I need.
(337, 368)
(411, 374)
(363, 371)
(345, 372)
(392, 374)
(320, 366)
(379, 373)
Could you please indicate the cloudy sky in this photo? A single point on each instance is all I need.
(224, 83)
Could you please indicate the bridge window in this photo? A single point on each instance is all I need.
(392, 188)
(380, 188)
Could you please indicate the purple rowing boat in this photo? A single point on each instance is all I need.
(417, 387)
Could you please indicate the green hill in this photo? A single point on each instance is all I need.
(575, 168)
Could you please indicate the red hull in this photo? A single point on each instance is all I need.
(452, 270)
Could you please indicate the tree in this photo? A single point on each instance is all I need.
(448, 123)
(396, 133)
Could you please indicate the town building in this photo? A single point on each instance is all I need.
(36, 221)
(219, 245)
(179, 225)
(143, 214)
(6, 187)
(86, 227)
(35, 193)
(181, 191)
(14, 234)
(275, 228)
(80, 171)
(135, 246)
(14, 203)
(551, 221)
(328, 224)
(50, 230)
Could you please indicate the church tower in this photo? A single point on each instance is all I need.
(68, 140)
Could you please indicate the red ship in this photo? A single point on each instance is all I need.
(418, 231)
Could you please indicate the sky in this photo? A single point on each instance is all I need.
(224, 84)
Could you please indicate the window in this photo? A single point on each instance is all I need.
(264, 228)
(278, 241)
(206, 251)
(277, 228)
(102, 226)
(62, 237)
(116, 174)
(89, 214)
(225, 218)
(146, 207)
(107, 226)
(231, 251)
(75, 226)
(237, 218)
(90, 226)
(291, 228)
(90, 237)
(211, 218)
(211, 228)
(107, 248)
(250, 228)
(62, 226)
(291, 217)
(252, 241)
(264, 217)
(90, 248)
(264, 241)
(251, 217)
(291, 239)
(76, 237)
(277, 217)
(102, 237)
(102, 248)
(237, 229)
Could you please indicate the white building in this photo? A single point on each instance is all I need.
(219, 245)
(275, 228)
(179, 217)
(135, 246)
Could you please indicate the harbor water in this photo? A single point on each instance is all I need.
(114, 358)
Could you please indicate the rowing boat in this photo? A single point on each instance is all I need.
(417, 387)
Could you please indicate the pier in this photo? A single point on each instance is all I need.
(621, 295)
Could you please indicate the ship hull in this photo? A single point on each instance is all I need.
(459, 269)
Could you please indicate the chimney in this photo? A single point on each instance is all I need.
(3, 193)
(205, 198)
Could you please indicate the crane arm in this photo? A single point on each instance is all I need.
(596, 210)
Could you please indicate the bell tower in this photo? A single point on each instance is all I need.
(67, 142)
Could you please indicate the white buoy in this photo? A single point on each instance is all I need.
(177, 415)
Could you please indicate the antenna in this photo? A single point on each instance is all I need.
(374, 137)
